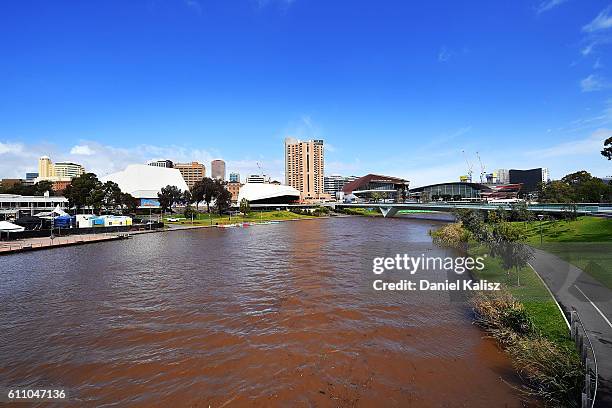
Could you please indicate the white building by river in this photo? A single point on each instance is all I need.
(13, 205)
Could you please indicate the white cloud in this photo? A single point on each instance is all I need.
(603, 21)
(597, 64)
(194, 5)
(282, 3)
(593, 83)
(588, 49)
(17, 158)
(11, 148)
(83, 150)
(548, 5)
(587, 146)
(444, 54)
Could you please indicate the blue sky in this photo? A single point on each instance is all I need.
(393, 87)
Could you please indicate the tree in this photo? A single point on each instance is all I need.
(607, 150)
(169, 196)
(506, 243)
(186, 198)
(375, 197)
(190, 212)
(473, 221)
(555, 192)
(204, 190)
(42, 187)
(245, 207)
(111, 195)
(403, 193)
(577, 178)
(39, 188)
(223, 200)
(519, 212)
(80, 192)
(95, 199)
(129, 203)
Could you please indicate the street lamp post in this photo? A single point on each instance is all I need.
(540, 216)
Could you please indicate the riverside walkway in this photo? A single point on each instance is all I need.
(33, 244)
(593, 301)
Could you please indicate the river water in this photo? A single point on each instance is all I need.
(270, 315)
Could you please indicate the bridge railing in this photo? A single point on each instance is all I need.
(554, 207)
(588, 358)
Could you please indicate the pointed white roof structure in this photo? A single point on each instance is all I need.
(143, 181)
(6, 226)
(254, 192)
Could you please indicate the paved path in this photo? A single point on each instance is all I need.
(593, 301)
(29, 244)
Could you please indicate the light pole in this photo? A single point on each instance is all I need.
(540, 216)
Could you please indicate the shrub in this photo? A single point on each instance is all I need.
(451, 236)
(501, 315)
(552, 373)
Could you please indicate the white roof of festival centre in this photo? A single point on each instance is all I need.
(262, 191)
(144, 181)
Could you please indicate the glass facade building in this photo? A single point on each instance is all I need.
(451, 191)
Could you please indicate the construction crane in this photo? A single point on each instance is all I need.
(483, 174)
(261, 173)
(469, 166)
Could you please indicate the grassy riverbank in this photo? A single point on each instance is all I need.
(585, 242)
(255, 216)
(539, 304)
(523, 317)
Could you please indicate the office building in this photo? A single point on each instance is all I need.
(67, 170)
(30, 178)
(217, 169)
(386, 187)
(234, 178)
(234, 188)
(256, 178)
(60, 172)
(168, 164)
(45, 168)
(465, 191)
(530, 179)
(10, 183)
(334, 184)
(304, 167)
(191, 172)
(502, 176)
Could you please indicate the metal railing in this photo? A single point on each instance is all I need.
(587, 357)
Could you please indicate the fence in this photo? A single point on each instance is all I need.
(588, 358)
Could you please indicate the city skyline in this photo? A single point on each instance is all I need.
(199, 80)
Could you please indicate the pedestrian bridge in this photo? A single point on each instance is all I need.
(391, 209)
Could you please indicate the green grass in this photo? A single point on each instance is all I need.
(584, 229)
(585, 243)
(368, 212)
(254, 216)
(532, 293)
(415, 211)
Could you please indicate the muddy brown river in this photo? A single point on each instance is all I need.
(279, 315)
